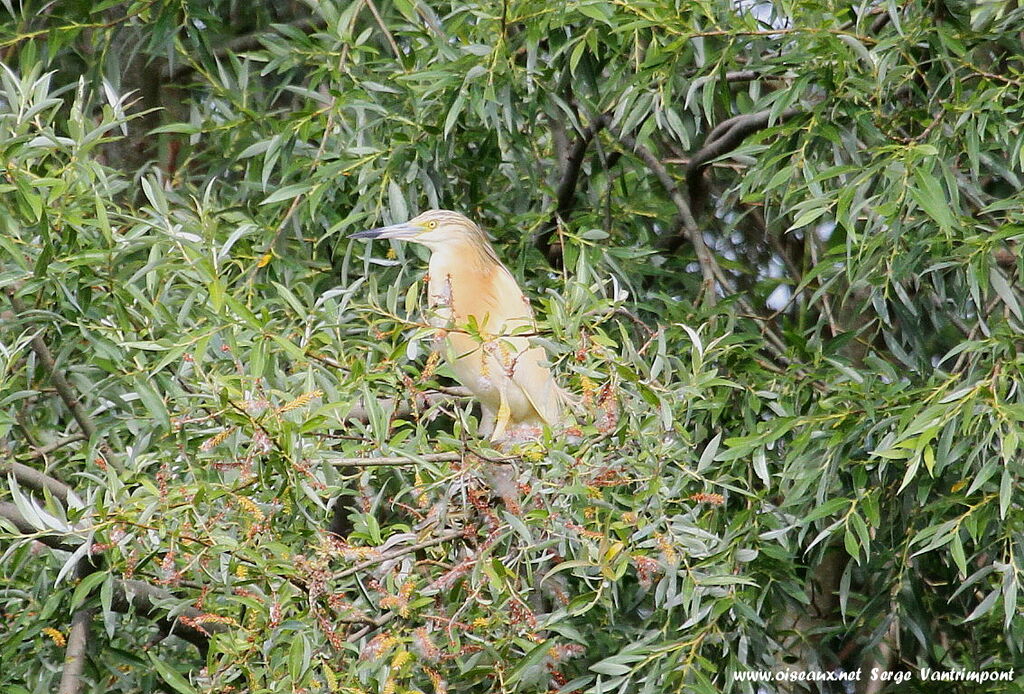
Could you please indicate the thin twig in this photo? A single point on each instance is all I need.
(369, 627)
(43, 451)
(361, 413)
(391, 461)
(401, 552)
(248, 42)
(384, 28)
(64, 389)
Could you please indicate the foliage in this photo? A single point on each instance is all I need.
(815, 465)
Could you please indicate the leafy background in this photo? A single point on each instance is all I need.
(773, 249)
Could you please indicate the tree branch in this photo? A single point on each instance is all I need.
(404, 407)
(248, 42)
(565, 191)
(723, 138)
(56, 375)
(686, 225)
(129, 595)
(37, 481)
(395, 460)
(74, 654)
(384, 28)
(400, 552)
(49, 538)
(43, 451)
(142, 598)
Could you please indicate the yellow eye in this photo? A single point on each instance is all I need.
(432, 225)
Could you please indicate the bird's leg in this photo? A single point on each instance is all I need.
(504, 415)
(487, 417)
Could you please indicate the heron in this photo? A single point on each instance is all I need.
(485, 323)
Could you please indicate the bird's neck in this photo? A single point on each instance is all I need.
(464, 256)
(465, 279)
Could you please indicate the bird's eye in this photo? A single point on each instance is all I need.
(431, 225)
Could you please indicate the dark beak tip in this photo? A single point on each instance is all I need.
(368, 234)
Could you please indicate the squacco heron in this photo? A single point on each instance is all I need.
(486, 321)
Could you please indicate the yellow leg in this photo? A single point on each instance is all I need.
(504, 415)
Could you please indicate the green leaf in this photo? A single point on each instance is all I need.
(928, 194)
(532, 659)
(86, 587)
(454, 112)
(984, 607)
(181, 128)
(594, 10)
(287, 193)
(1005, 291)
(171, 676)
(153, 402)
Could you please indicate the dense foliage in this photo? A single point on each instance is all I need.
(799, 439)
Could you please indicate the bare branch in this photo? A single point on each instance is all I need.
(395, 460)
(685, 222)
(724, 138)
(142, 598)
(880, 22)
(74, 654)
(565, 191)
(400, 552)
(43, 451)
(741, 76)
(56, 375)
(248, 42)
(403, 408)
(36, 480)
(130, 595)
(384, 28)
(50, 538)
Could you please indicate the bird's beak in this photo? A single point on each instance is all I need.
(403, 232)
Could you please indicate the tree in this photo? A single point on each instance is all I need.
(774, 249)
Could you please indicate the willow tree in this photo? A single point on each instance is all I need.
(774, 249)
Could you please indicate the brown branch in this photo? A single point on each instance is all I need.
(43, 451)
(685, 224)
(565, 191)
(56, 375)
(395, 460)
(404, 407)
(400, 552)
(1006, 258)
(724, 138)
(710, 269)
(384, 28)
(741, 76)
(128, 595)
(377, 624)
(36, 480)
(49, 538)
(248, 42)
(880, 22)
(74, 654)
(142, 598)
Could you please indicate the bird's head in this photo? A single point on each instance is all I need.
(435, 229)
